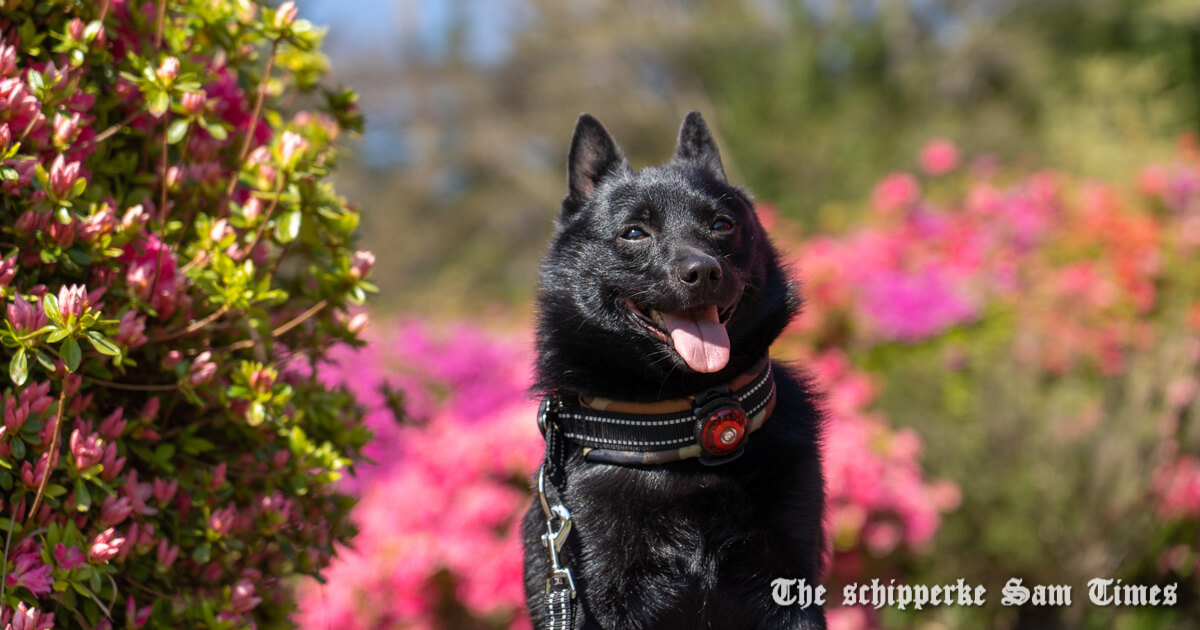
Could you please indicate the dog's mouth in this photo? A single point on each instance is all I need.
(697, 334)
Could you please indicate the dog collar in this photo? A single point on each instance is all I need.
(712, 425)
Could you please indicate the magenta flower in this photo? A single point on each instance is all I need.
(105, 546)
(139, 494)
(68, 558)
(8, 270)
(222, 521)
(99, 224)
(65, 129)
(361, 265)
(285, 15)
(202, 369)
(61, 233)
(87, 451)
(110, 464)
(168, 70)
(113, 426)
(27, 618)
(32, 475)
(164, 490)
(137, 617)
(243, 598)
(25, 317)
(72, 301)
(30, 572)
(8, 60)
(135, 218)
(291, 147)
(939, 156)
(895, 191)
(114, 511)
(166, 554)
(909, 306)
(193, 102)
(62, 176)
(15, 414)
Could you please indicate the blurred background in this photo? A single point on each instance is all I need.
(995, 207)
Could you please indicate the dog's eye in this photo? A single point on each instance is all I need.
(722, 225)
(634, 234)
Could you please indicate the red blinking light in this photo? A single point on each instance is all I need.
(723, 431)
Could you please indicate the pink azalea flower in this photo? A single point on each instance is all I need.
(361, 265)
(27, 618)
(105, 546)
(87, 451)
(30, 572)
(939, 156)
(63, 176)
(26, 317)
(68, 558)
(895, 191)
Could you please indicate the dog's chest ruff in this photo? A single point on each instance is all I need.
(712, 425)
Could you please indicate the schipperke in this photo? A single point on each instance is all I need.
(659, 299)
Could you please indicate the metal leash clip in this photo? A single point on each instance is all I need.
(558, 526)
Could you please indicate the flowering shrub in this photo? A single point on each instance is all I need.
(173, 268)
(439, 514)
(1041, 334)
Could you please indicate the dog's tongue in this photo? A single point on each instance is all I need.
(699, 338)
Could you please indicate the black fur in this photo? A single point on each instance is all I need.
(680, 545)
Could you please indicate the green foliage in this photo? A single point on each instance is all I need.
(174, 268)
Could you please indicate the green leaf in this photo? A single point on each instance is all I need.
(18, 368)
(217, 131)
(36, 81)
(103, 344)
(18, 448)
(71, 354)
(289, 227)
(45, 361)
(83, 498)
(158, 103)
(202, 553)
(63, 216)
(177, 130)
(50, 305)
(54, 490)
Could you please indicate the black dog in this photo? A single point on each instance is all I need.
(661, 285)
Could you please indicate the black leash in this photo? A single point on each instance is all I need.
(561, 602)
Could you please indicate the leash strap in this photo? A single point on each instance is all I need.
(562, 607)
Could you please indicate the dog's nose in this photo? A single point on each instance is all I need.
(695, 270)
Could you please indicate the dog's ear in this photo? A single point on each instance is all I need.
(594, 154)
(696, 145)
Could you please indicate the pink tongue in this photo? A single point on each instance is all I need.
(699, 338)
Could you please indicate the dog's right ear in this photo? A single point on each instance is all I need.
(594, 154)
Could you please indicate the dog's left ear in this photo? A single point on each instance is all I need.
(696, 145)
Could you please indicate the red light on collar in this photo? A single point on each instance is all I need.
(723, 431)
(721, 426)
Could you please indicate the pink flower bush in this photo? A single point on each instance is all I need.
(164, 443)
(460, 468)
